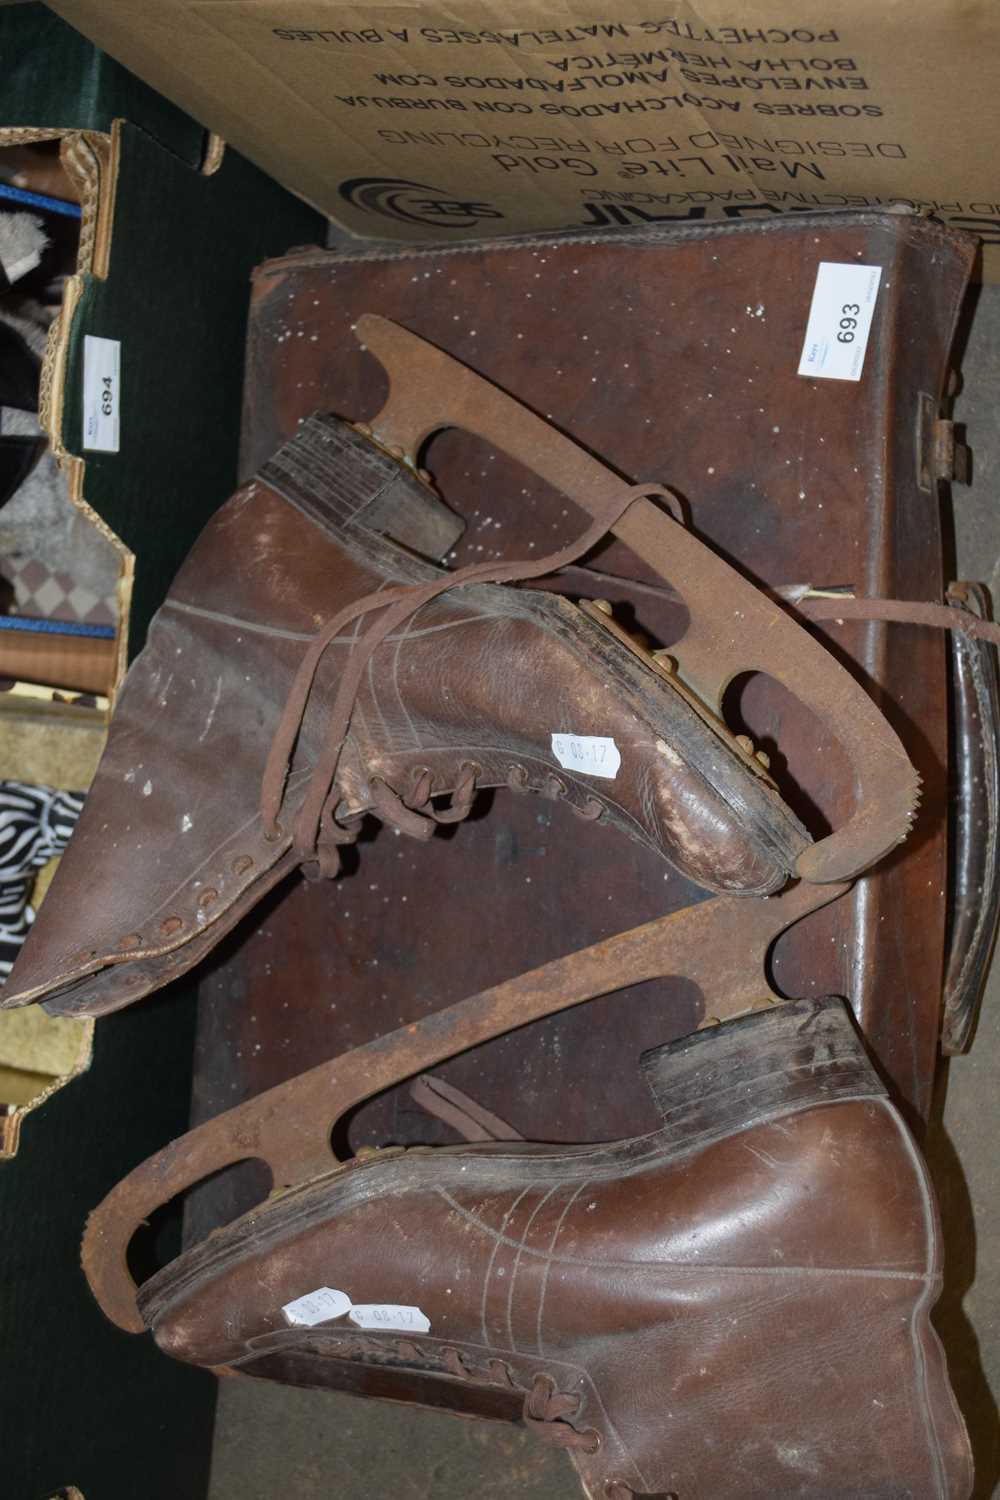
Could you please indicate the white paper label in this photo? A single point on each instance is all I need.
(840, 319)
(593, 754)
(390, 1315)
(316, 1307)
(102, 366)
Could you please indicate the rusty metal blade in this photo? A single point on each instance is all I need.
(721, 945)
(733, 627)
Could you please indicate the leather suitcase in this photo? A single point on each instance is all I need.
(673, 354)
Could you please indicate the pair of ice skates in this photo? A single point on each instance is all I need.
(737, 1304)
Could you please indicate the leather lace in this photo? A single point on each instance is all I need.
(317, 832)
(828, 603)
(834, 606)
(546, 1408)
(617, 1489)
(546, 1413)
(464, 1114)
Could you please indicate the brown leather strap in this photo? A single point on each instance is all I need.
(393, 606)
(471, 1119)
(899, 612)
(819, 603)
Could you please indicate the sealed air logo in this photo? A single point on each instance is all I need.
(414, 202)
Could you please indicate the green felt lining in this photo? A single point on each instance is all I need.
(51, 77)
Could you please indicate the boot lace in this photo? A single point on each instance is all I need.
(321, 825)
(415, 813)
(546, 1412)
(546, 1407)
(617, 1489)
(318, 830)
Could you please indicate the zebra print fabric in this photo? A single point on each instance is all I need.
(36, 822)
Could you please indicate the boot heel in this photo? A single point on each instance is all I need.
(344, 482)
(728, 1077)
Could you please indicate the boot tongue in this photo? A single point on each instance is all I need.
(728, 1077)
(332, 472)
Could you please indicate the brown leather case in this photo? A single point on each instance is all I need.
(672, 354)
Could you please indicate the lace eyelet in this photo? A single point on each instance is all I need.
(590, 810)
(620, 1489)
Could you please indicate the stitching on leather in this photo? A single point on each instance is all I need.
(394, 678)
(517, 1261)
(646, 235)
(681, 1267)
(252, 626)
(501, 1239)
(547, 1255)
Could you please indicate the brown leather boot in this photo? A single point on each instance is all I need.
(484, 687)
(736, 1307)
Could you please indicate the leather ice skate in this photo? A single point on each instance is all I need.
(736, 1306)
(719, 947)
(266, 717)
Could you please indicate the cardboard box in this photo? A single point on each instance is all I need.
(424, 120)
